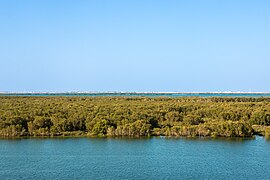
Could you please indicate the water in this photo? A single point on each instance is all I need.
(143, 94)
(144, 158)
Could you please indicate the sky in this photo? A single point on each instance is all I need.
(134, 45)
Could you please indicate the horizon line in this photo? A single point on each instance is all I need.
(134, 92)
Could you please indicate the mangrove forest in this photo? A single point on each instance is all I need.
(134, 116)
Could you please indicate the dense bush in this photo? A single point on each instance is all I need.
(133, 116)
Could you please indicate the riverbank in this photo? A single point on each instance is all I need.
(257, 131)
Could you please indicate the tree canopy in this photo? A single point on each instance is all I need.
(134, 116)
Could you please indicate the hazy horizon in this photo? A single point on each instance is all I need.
(134, 46)
(114, 91)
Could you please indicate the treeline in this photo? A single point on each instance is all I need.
(134, 116)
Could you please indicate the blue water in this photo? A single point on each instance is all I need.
(143, 94)
(124, 158)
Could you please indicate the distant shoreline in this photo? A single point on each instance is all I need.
(121, 92)
(137, 94)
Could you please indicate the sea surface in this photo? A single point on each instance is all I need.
(135, 158)
(143, 94)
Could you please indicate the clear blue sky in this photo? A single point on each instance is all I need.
(135, 45)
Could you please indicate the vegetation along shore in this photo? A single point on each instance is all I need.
(134, 116)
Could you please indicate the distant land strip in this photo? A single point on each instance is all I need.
(146, 94)
(130, 92)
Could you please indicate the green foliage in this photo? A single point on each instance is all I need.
(100, 128)
(267, 132)
(134, 116)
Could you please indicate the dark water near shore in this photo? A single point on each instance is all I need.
(143, 94)
(125, 158)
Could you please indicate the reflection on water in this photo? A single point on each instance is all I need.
(135, 158)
